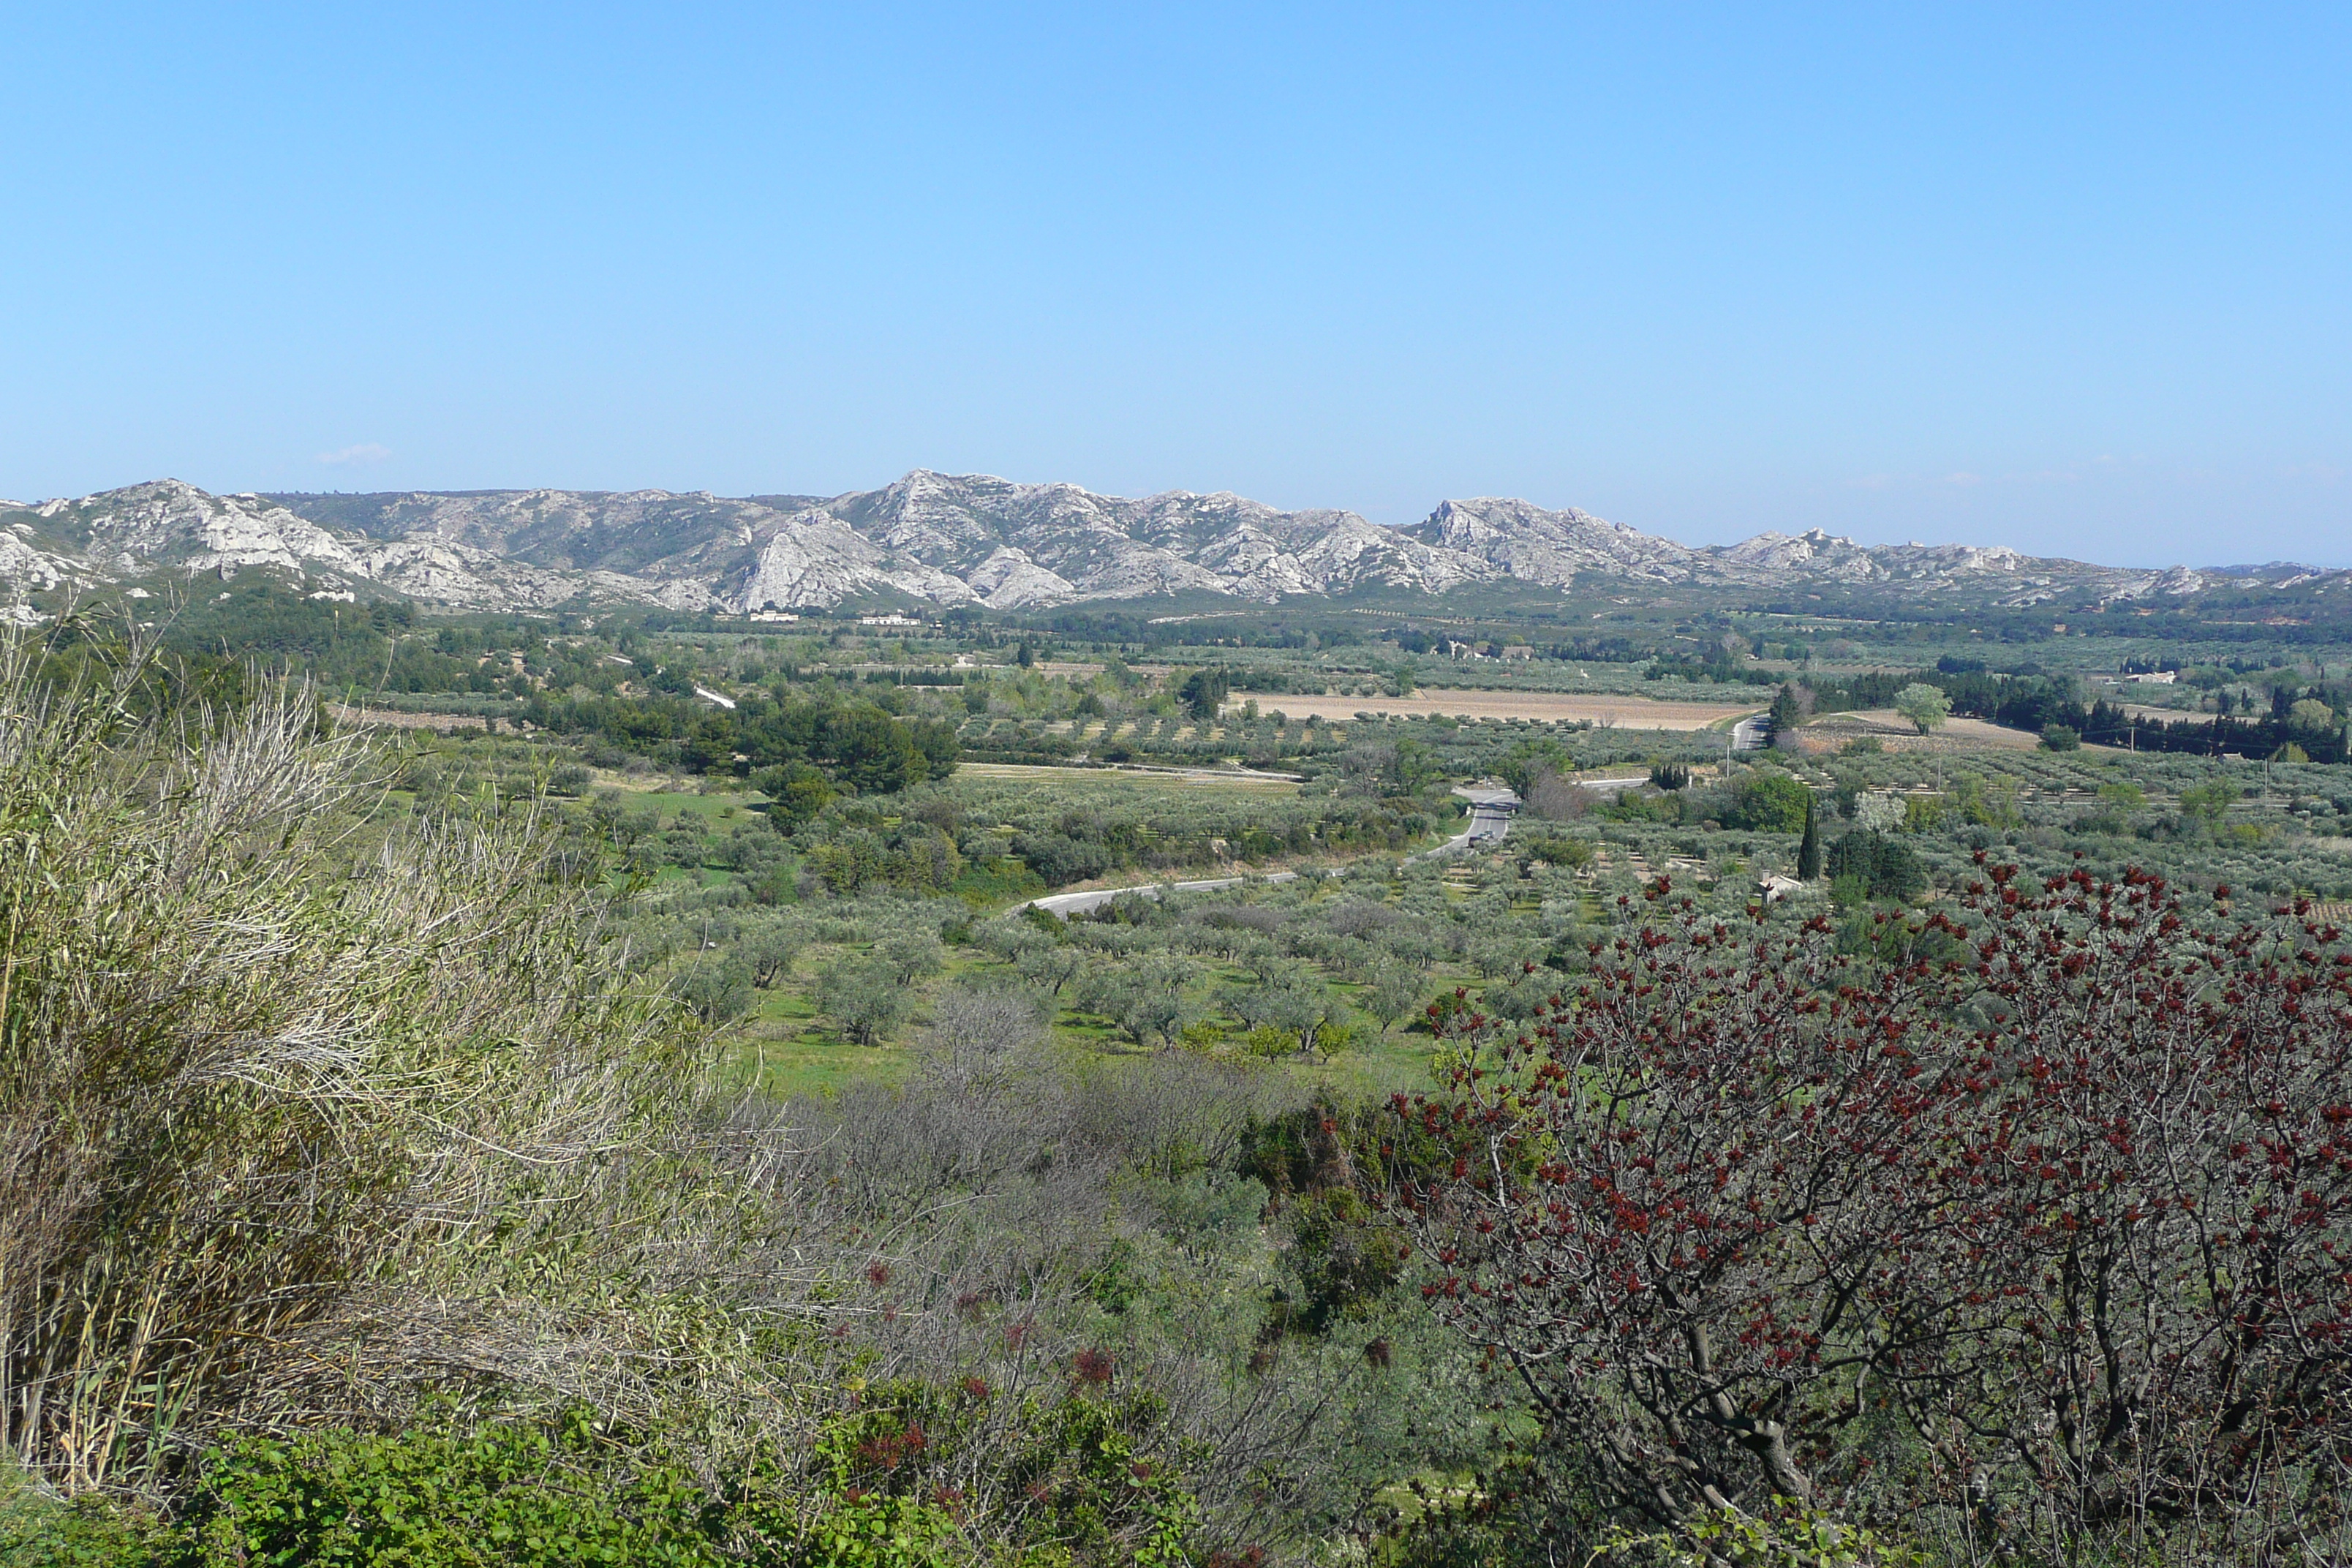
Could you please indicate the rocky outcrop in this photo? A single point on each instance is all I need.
(1008, 580)
(171, 523)
(814, 558)
(1521, 540)
(954, 539)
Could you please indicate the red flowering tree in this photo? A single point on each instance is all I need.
(2046, 1222)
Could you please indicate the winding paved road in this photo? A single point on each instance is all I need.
(1490, 818)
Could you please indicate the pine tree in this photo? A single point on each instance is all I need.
(1808, 851)
(1786, 711)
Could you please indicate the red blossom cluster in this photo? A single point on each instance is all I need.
(889, 1450)
(2046, 1223)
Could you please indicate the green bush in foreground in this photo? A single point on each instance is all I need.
(1085, 1481)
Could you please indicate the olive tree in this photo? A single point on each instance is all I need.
(1925, 706)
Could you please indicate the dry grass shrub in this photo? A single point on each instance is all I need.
(291, 1122)
(980, 1220)
(302, 1119)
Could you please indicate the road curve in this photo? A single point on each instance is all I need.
(1068, 904)
(1490, 819)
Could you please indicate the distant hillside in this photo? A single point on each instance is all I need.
(952, 540)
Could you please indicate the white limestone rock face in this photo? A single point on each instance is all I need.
(1008, 580)
(171, 523)
(1814, 553)
(463, 577)
(952, 539)
(956, 522)
(2174, 582)
(1527, 541)
(25, 566)
(1264, 554)
(814, 559)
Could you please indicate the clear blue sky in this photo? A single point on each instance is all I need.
(2075, 280)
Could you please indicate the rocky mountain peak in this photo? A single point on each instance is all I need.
(947, 539)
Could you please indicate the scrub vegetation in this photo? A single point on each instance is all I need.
(590, 1121)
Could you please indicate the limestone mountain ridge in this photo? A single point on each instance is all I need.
(949, 540)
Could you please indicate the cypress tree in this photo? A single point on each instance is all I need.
(1808, 851)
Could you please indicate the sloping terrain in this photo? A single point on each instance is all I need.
(952, 540)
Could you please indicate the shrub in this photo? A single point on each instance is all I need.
(865, 998)
(1883, 866)
(251, 1100)
(1769, 801)
(503, 1493)
(2068, 1204)
(717, 991)
(1555, 799)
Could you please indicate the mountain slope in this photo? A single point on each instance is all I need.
(1521, 540)
(966, 540)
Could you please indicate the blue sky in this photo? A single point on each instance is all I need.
(2075, 280)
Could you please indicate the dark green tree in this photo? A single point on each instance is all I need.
(1808, 851)
(1203, 693)
(797, 793)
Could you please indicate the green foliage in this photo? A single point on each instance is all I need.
(1393, 991)
(856, 851)
(1986, 804)
(2122, 795)
(1924, 812)
(1881, 865)
(2312, 716)
(716, 990)
(1292, 999)
(2059, 738)
(529, 1496)
(1089, 1476)
(796, 792)
(911, 955)
(1552, 849)
(848, 742)
(2208, 803)
(1266, 1041)
(1791, 1536)
(863, 995)
(1770, 800)
(38, 1531)
(1346, 1257)
(1927, 707)
(1202, 692)
(767, 951)
(1145, 997)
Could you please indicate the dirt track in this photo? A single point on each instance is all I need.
(1549, 707)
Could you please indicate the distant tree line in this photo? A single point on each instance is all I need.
(843, 741)
(2043, 704)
